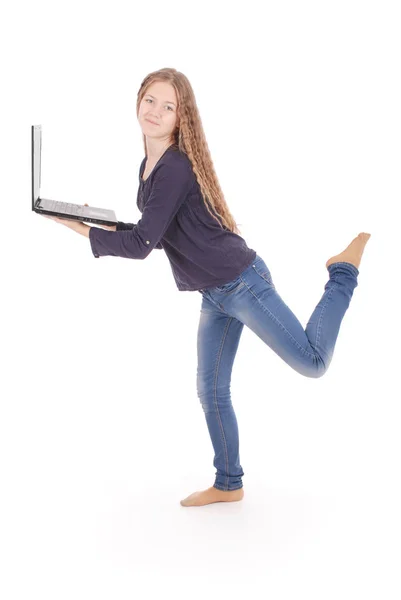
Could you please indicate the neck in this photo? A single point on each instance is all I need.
(154, 150)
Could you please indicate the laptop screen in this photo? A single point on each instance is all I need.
(36, 154)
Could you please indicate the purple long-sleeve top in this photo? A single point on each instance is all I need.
(201, 253)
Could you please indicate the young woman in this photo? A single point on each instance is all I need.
(184, 212)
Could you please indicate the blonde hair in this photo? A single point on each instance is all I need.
(190, 139)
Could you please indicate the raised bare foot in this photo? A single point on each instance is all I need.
(211, 495)
(353, 252)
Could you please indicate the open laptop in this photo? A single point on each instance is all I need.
(66, 210)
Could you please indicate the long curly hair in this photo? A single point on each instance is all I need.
(190, 138)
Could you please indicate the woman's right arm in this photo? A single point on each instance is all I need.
(124, 226)
(121, 226)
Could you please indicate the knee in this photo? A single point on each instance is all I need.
(316, 371)
(206, 403)
(317, 374)
(204, 396)
(318, 367)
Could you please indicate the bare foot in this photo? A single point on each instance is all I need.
(211, 495)
(353, 252)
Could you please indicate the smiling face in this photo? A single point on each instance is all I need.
(159, 104)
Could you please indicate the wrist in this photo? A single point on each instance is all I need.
(84, 229)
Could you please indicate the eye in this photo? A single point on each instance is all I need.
(150, 100)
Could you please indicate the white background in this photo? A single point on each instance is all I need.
(101, 430)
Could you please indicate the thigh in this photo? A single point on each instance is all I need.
(256, 303)
(217, 343)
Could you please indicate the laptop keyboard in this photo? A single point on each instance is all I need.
(66, 207)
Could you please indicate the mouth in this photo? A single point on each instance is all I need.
(149, 121)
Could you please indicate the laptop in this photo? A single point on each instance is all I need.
(65, 210)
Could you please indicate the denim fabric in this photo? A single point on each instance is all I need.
(251, 299)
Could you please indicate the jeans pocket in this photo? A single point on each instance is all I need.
(230, 286)
(260, 267)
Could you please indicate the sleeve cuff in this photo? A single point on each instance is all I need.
(92, 241)
(121, 226)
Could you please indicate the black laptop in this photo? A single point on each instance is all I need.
(66, 210)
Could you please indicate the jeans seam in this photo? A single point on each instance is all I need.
(215, 392)
(318, 328)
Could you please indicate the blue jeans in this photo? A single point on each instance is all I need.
(251, 299)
